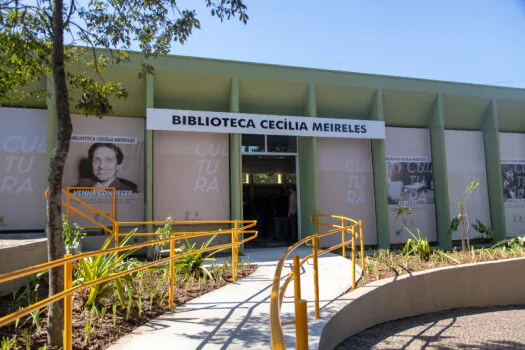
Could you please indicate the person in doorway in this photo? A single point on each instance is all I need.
(292, 212)
(280, 211)
(106, 159)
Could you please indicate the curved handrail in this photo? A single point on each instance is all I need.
(277, 292)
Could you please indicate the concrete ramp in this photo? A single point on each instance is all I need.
(237, 315)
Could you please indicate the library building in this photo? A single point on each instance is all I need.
(205, 139)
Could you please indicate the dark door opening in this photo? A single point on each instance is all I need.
(267, 184)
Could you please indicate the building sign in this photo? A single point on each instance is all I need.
(221, 122)
(22, 168)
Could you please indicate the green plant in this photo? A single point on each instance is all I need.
(420, 247)
(28, 341)
(35, 317)
(401, 212)
(516, 243)
(87, 330)
(114, 315)
(163, 233)
(191, 265)
(139, 305)
(417, 245)
(72, 234)
(94, 268)
(8, 343)
(487, 234)
(472, 187)
(103, 313)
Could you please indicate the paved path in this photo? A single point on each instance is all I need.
(483, 328)
(237, 315)
(15, 239)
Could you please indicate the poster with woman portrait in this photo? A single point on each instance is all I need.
(107, 153)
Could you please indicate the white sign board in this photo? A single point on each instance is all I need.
(240, 123)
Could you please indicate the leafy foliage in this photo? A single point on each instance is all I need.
(402, 211)
(100, 266)
(417, 245)
(487, 234)
(72, 234)
(192, 266)
(163, 233)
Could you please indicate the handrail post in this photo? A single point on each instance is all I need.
(301, 325)
(343, 237)
(316, 276)
(68, 305)
(296, 277)
(235, 252)
(353, 256)
(362, 245)
(172, 272)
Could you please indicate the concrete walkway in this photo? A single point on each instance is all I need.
(237, 315)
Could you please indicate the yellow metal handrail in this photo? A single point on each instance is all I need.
(344, 225)
(240, 227)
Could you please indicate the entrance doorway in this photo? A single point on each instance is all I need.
(267, 179)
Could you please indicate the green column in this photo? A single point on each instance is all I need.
(235, 162)
(235, 159)
(308, 185)
(439, 168)
(148, 213)
(52, 122)
(148, 205)
(380, 181)
(491, 144)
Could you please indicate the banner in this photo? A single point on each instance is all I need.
(107, 152)
(192, 176)
(466, 163)
(23, 168)
(346, 185)
(410, 183)
(512, 154)
(222, 122)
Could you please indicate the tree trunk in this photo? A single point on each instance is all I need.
(55, 246)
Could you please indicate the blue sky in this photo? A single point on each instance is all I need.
(473, 41)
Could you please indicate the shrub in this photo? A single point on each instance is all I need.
(93, 268)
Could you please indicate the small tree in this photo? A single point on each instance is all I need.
(463, 217)
(46, 37)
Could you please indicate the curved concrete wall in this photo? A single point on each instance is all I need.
(473, 285)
